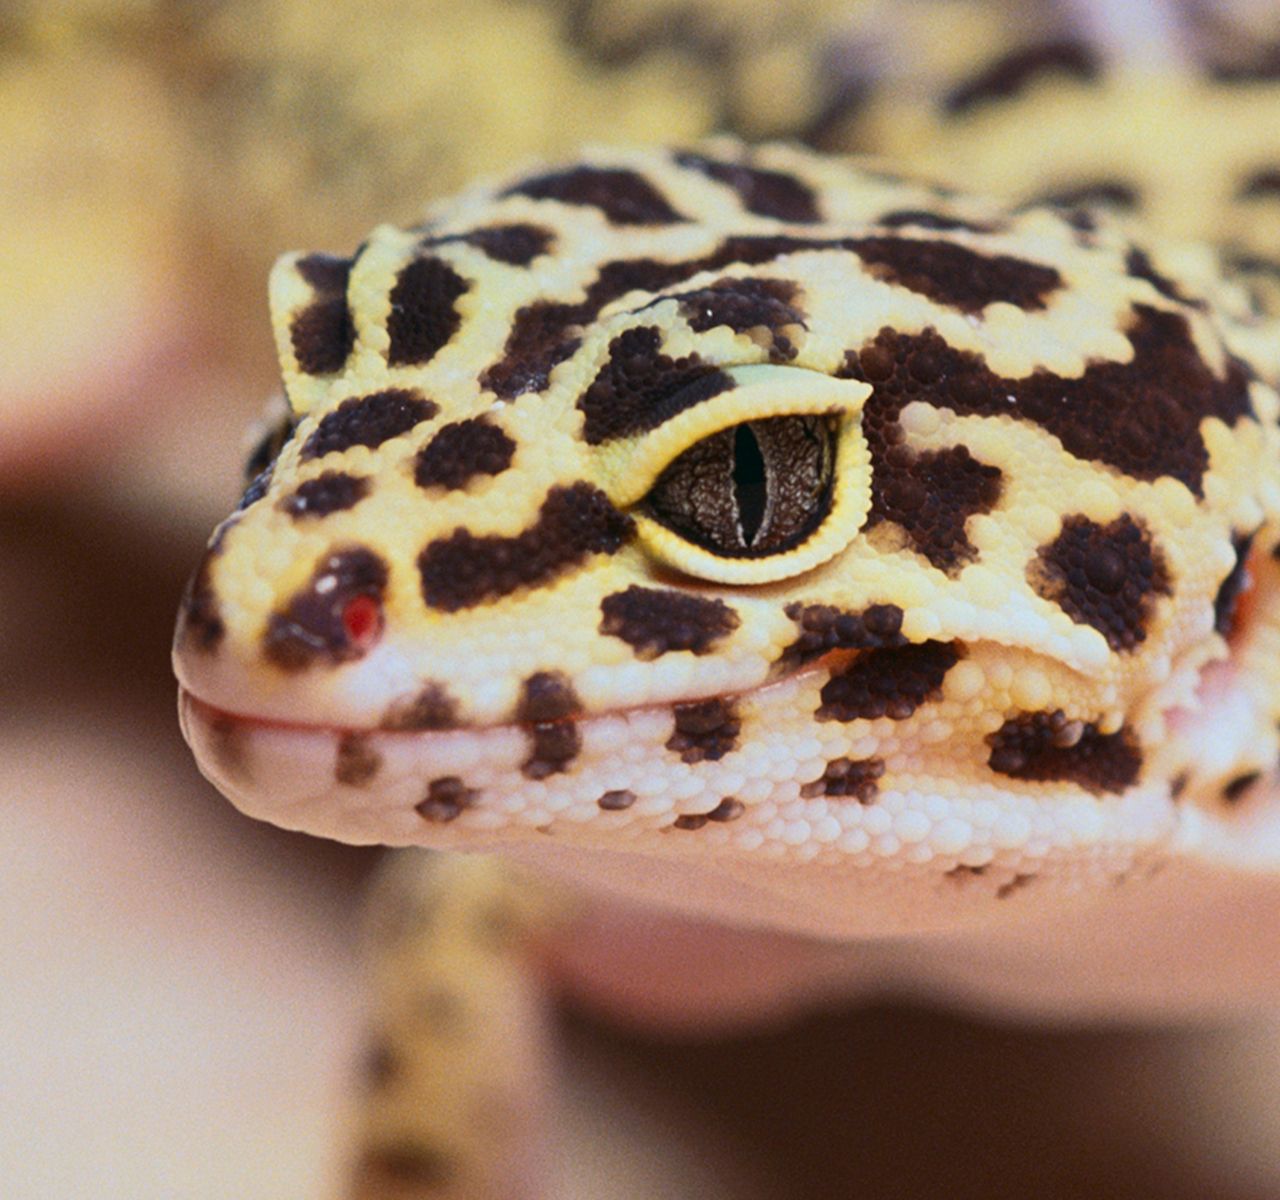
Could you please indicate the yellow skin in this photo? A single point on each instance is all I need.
(1012, 465)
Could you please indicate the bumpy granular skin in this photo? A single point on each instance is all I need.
(369, 421)
(1107, 576)
(323, 333)
(887, 683)
(424, 313)
(516, 245)
(1141, 417)
(461, 451)
(553, 745)
(825, 518)
(334, 491)
(658, 621)
(547, 696)
(705, 731)
(824, 627)
(445, 800)
(956, 276)
(848, 777)
(747, 304)
(639, 387)
(1048, 748)
(624, 197)
(463, 570)
(765, 193)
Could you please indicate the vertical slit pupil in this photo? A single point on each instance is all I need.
(749, 487)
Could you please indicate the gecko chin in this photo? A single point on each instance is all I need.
(738, 807)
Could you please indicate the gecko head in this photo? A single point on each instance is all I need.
(751, 496)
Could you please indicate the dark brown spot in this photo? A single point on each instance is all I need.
(255, 491)
(824, 628)
(516, 245)
(1141, 417)
(229, 747)
(325, 272)
(1016, 884)
(1235, 788)
(424, 313)
(625, 197)
(312, 625)
(705, 730)
(328, 493)
(357, 761)
(952, 274)
(431, 708)
(887, 683)
(547, 696)
(926, 219)
(553, 745)
(1050, 748)
(1102, 193)
(639, 388)
(461, 451)
(1139, 265)
(964, 871)
(729, 809)
(747, 305)
(1224, 603)
(766, 193)
(575, 521)
(368, 421)
(617, 801)
(654, 621)
(1265, 182)
(856, 777)
(322, 334)
(931, 495)
(1016, 71)
(445, 800)
(544, 334)
(1106, 576)
(388, 1170)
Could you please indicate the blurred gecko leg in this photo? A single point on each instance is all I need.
(456, 1101)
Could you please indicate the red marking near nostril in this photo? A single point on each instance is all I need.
(362, 621)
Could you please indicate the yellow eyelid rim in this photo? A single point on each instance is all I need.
(628, 467)
(760, 392)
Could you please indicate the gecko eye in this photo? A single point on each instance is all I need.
(752, 490)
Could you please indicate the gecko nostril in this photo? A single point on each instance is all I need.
(362, 621)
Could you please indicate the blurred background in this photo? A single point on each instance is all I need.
(179, 1009)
